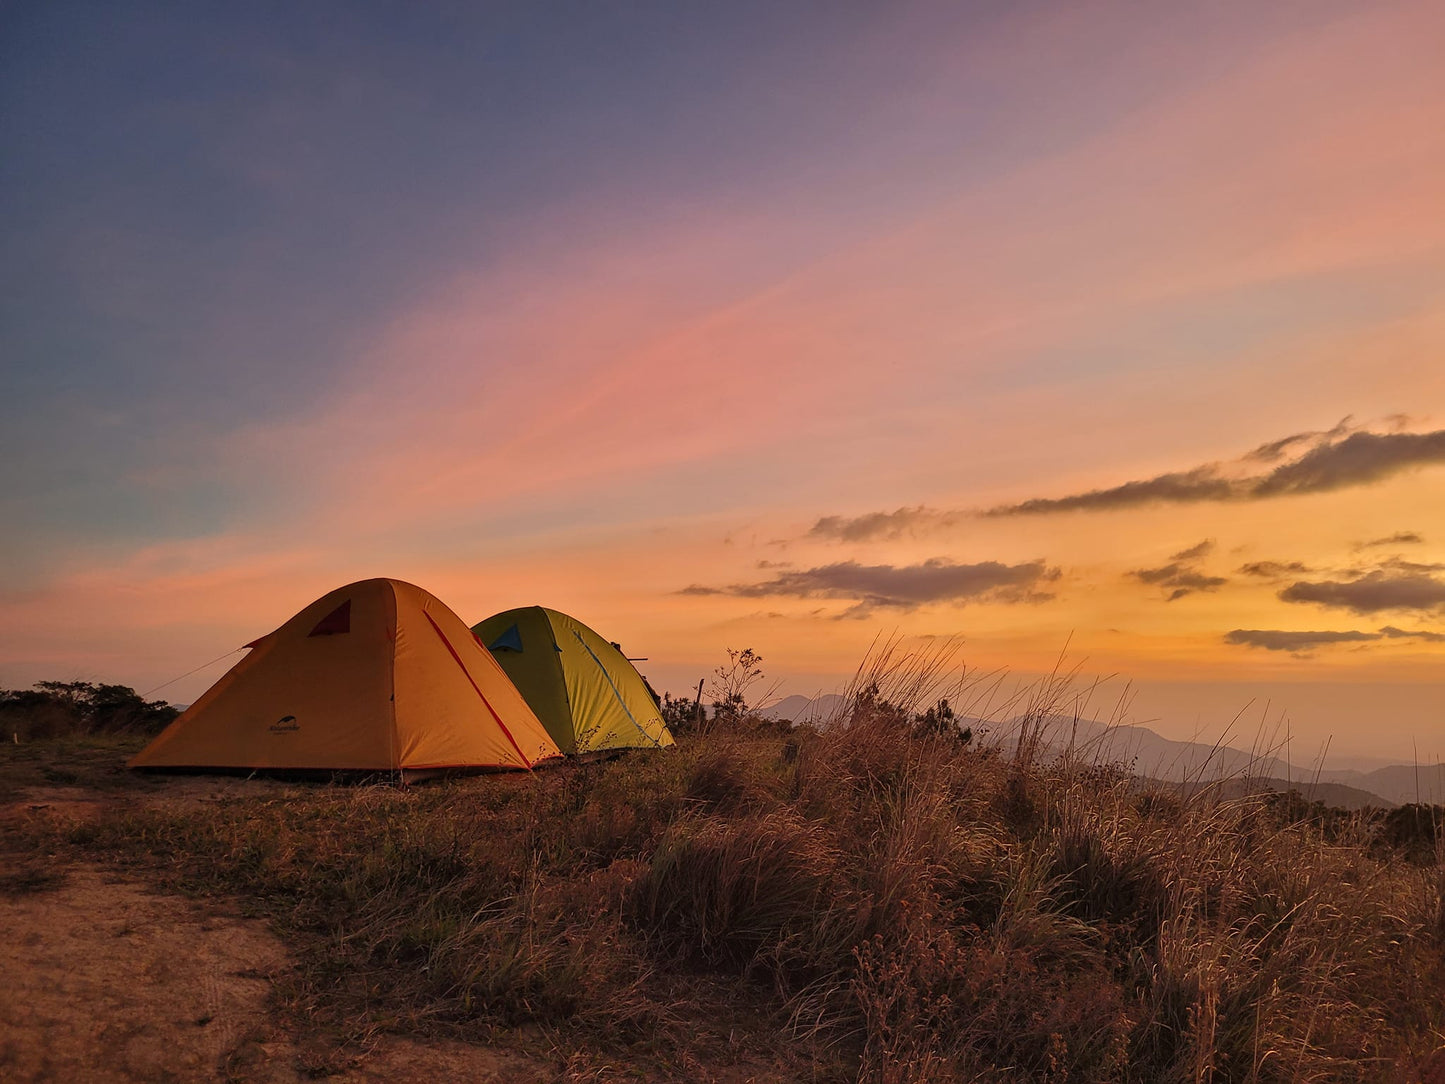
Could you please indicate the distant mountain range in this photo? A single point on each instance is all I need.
(1148, 754)
(804, 709)
(1335, 795)
(1398, 782)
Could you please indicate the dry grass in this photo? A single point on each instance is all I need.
(93, 762)
(887, 903)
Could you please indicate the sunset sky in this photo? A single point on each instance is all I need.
(773, 325)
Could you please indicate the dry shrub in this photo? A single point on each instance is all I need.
(1111, 875)
(1281, 955)
(538, 956)
(1416, 831)
(593, 814)
(937, 1006)
(742, 892)
(730, 775)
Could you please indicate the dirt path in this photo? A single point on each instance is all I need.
(103, 980)
(109, 983)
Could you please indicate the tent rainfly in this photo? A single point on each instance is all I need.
(376, 675)
(583, 689)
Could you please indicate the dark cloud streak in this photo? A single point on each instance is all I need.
(1373, 592)
(876, 525)
(1302, 641)
(1200, 484)
(1283, 640)
(1333, 459)
(1358, 459)
(1195, 552)
(903, 587)
(1274, 570)
(1429, 637)
(1182, 579)
(1337, 460)
(1273, 451)
(1399, 538)
(1182, 573)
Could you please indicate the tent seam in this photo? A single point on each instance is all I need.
(476, 688)
(394, 630)
(561, 676)
(615, 691)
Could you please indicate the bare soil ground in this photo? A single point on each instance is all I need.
(105, 981)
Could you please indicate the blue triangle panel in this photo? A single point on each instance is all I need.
(511, 640)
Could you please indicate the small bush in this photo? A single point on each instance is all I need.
(729, 893)
(55, 709)
(681, 714)
(1416, 831)
(937, 1007)
(1110, 878)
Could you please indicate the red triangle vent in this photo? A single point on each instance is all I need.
(337, 621)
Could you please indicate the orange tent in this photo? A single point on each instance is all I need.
(376, 675)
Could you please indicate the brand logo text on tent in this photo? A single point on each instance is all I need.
(287, 724)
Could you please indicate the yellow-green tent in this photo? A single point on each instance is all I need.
(583, 688)
(376, 675)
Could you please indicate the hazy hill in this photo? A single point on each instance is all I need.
(1149, 754)
(803, 709)
(1398, 782)
(1144, 751)
(1334, 795)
